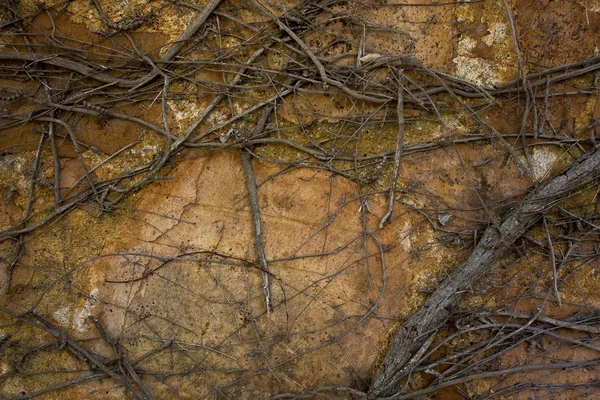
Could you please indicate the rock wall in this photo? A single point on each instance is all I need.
(129, 250)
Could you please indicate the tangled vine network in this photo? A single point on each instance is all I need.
(95, 115)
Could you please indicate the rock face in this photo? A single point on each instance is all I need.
(128, 243)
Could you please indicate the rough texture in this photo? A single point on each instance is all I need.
(149, 285)
(497, 238)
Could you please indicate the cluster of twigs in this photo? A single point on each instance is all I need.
(51, 82)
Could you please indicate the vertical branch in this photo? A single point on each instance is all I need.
(55, 159)
(258, 235)
(529, 96)
(56, 185)
(553, 259)
(386, 219)
(540, 130)
(255, 209)
(164, 108)
(76, 147)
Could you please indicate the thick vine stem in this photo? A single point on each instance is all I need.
(495, 241)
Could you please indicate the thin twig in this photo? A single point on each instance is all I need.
(386, 219)
(553, 260)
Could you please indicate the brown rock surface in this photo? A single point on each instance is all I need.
(165, 259)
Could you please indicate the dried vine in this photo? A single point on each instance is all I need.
(55, 84)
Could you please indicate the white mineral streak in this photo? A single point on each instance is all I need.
(485, 72)
(404, 236)
(81, 315)
(63, 316)
(543, 159)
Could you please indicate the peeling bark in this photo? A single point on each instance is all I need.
(414, 334)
